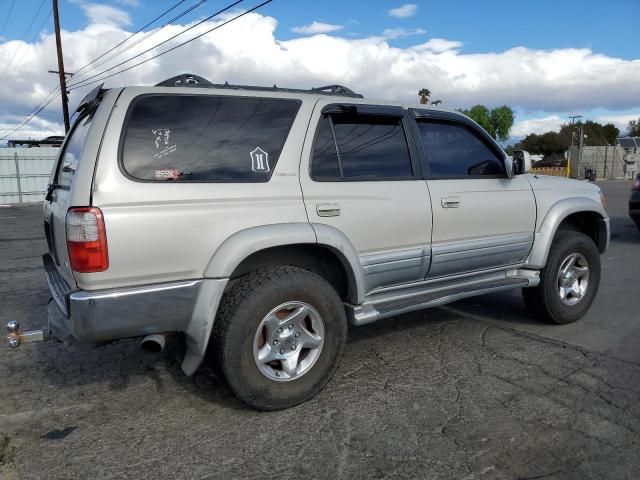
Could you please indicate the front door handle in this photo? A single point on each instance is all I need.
(450, 202)
(328, 209)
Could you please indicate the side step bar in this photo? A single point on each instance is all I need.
(432, 295)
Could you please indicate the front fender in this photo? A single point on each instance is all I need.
(552, 220)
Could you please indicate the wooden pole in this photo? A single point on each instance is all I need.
(63, 79)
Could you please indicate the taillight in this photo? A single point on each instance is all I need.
(636, 183)
(86, 240)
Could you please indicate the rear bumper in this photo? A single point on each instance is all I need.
(104, 315)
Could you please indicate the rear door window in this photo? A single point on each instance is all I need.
(68, 162)
(364, 147)
(198, 138)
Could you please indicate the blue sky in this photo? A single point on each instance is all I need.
(610, 28)
(474, 37)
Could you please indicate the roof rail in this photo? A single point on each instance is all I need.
(190, 80)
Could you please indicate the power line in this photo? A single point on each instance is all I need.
(24, 36)
(140, 30)
(30, 117)
(54, 93)
(35, 34)
(78, 84)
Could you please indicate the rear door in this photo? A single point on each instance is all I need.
(363, 179)
(482, 219)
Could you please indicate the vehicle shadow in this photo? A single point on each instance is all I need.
(624, 230)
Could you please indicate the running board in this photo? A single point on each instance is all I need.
(431, 296)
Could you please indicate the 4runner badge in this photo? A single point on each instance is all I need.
(259, 161)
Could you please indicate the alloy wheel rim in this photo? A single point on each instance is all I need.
(573, 278)
(288, 341)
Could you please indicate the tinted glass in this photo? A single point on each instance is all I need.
(371, 147)
(205, 138)
(454, 150)
(324, 164)
(72, 152)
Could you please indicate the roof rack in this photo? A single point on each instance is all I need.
(190, 80)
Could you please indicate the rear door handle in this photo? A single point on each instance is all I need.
(450, 202)
(328, 209)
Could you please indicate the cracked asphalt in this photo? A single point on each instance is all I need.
(474, 390)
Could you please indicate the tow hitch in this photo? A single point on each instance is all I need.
(16, 337)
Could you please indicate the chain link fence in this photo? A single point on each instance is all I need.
(24, 173)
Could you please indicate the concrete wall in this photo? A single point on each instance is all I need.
(24, 173)
(608, 162)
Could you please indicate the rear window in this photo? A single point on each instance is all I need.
(72, 151)
(197, 138)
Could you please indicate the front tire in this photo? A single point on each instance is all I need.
(279, 336)
(568, 282)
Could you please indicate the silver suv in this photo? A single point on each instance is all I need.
(259, 221)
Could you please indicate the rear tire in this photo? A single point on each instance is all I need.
(279, 336)
(568, 282)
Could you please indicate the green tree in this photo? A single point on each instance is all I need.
(545, 144)
(634, 128)
(596, 133)
(497, 122)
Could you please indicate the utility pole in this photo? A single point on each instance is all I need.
(63, 80)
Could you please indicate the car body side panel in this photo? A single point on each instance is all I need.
(386, 221)
(491, 225)
(556, 199)
(79, 194)
(161, 232)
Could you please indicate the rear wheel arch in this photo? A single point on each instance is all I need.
(322, 260)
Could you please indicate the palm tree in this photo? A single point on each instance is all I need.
(424, 94)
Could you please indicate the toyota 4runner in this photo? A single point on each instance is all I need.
(258, 222)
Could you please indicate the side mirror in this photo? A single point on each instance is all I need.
(521, 162)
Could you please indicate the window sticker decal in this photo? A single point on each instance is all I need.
(167, 174)
(259, 161)
(161, 142)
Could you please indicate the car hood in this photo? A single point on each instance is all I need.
(546, 182)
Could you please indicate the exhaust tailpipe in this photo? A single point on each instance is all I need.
(154, 343)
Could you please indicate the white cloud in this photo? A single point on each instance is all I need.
(404, 11)
(101, 14)
(620, 121)
(317, 27)
(438, 45)
(392, 33)
(248, 51)
(552, 123)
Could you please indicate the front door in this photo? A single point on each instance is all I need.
(482, 219)
(364, 180)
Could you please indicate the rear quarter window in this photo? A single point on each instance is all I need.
(198, 138)
(68, 163)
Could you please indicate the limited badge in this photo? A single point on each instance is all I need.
(259, 161)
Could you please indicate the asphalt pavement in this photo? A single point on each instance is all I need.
(475, 390)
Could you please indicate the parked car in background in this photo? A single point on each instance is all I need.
(258, 221)
(634, 201)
